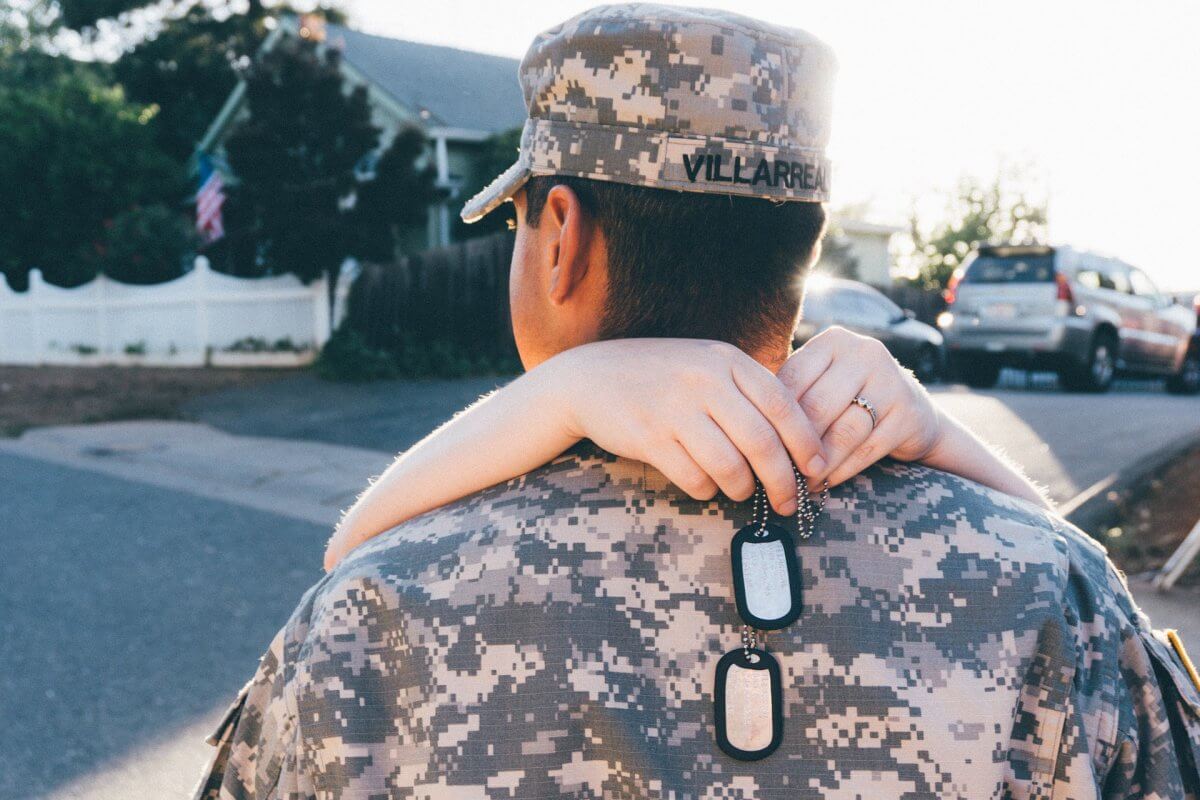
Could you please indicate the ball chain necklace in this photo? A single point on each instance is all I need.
(766, 587)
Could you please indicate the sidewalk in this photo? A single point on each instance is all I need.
(310, 481)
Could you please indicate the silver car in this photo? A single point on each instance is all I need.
(1083, 315)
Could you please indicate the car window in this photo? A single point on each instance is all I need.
(1119, 277)
(1141, 284)
(842, 306)
(868, 310)
(1014, 268)
(892, 310)
(1095, 279)
(819, 306)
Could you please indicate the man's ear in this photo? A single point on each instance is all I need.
(572, 235)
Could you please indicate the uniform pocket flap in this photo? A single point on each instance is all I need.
(1168, 651)
(1181, 697)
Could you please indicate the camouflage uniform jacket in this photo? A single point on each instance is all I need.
(556, 636)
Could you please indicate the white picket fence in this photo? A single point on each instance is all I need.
(201, 318)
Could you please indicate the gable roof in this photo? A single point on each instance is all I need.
(459, 88)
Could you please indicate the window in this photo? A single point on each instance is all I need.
(1030, 268)
(1142, 285)
(1095, 279)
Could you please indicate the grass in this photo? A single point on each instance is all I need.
(1155, 517)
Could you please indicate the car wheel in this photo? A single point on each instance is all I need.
(927, 364)
(1097, 372)
(1187, 380)
(976, 372)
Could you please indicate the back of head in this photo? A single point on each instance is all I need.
(695, 265)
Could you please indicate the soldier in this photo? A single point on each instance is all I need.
(581, 630)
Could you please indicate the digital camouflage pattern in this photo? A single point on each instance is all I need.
(556, 636)
(674, 98)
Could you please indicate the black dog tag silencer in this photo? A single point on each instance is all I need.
(748, 704)
(766, 577)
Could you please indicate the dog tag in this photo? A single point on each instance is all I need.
(749, 704)
(766, 577)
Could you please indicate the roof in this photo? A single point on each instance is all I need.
(459, 88)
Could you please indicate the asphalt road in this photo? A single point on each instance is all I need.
(129, 617)
(385, 415)
(1070, 441)
(1065, 441)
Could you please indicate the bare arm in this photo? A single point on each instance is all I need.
(963, 453)
(703, 413)
(490, 441)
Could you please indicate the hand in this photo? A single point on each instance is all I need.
(703, 413)
(833, 368)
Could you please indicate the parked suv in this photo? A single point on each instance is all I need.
(1080, 314)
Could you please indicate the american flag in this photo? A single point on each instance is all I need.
(209, 200)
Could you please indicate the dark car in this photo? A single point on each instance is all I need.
(862, 309)
(1187, 381)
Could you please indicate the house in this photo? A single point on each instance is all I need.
(457, 97)
(868, 244)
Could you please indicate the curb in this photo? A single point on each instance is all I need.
(1095, 508)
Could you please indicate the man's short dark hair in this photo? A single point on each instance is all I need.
(694, 265)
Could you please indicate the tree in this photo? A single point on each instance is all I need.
(74, 155)
(84, 14)
(977, 213)
(499, 154)
(188, 68)
(397, 195)
(299, 197)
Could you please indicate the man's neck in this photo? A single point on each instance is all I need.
(773, 358)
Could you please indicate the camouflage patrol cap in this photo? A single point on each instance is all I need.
(674, 98)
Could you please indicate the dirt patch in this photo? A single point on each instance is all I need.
(1154, 517)
(34, 396)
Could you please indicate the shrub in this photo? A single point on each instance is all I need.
(346, 357)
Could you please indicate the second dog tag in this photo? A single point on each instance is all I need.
(766, 577)
(749, 704)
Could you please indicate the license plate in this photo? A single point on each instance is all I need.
(1000, 311)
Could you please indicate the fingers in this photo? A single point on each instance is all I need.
(779, 407)
(809, 363)
(826, 400)
(759, 444)
(877, 444)
(853, 436)
(676, 464)
(711, 447)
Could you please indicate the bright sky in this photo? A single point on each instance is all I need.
(1103, 98)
